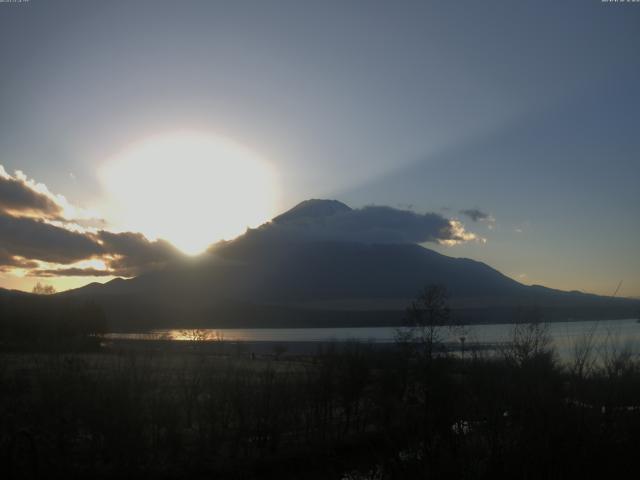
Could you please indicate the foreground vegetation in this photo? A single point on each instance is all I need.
(351, 410)
(76, 408)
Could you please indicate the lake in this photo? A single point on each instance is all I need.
(606, 334)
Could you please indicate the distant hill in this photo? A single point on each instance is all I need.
(272, 276)
(7, 293)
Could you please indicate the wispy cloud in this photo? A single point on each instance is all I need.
(477, 215)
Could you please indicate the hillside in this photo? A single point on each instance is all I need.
(277, 276)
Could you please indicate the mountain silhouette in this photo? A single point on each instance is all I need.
(312, 209)
(274, 276)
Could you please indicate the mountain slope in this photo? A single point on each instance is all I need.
(271, 276)
(312, 209)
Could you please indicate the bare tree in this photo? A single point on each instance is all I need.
(196, 335)
(43, 289)
(583, 361)
(530, 339)
(426, 316)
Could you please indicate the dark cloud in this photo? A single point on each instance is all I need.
(475, 214)
(26, 240)
(36, 240)
(18, 196)
(373, 224)
(8, 261)
(134, 253)
(71, 272)
(33, 229)
(388, 225)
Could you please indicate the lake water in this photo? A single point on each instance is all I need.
(606, 334)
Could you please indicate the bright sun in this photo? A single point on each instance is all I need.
(191, 189)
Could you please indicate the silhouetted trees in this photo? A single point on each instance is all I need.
(425, 318)
(351, 410)
(44, 322)
(43, 289)
(530, 339)
(346, 409)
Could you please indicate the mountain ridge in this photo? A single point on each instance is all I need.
(270, 274)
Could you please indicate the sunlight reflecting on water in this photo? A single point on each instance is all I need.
(619, 334)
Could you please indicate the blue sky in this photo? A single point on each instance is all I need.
(525, 110)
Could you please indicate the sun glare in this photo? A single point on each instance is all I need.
(190, 189)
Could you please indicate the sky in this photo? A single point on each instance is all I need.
(149, 129)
